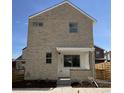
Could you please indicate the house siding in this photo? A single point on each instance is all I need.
(80, 75)
(83, 74)
(54, 33)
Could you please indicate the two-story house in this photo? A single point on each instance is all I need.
(60, 44)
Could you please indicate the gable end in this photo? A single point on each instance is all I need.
(81, 11)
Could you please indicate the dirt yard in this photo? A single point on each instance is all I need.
(87, 84)
(34, 84)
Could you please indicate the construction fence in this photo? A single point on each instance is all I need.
(103, 71)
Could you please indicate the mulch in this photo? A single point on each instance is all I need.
(87, 84)
(34, 84)
(52, 84)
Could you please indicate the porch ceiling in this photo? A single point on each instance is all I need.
(73, 49)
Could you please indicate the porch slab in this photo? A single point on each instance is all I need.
(63, 82)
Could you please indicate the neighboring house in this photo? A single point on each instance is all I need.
(20, 63)
(13, 64)
(108, 56)
(60, 44)
(18, 66)
(99, 55)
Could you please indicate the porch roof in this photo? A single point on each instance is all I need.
(73, 49)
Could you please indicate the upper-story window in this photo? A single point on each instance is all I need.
(37, 24)
(73, 27)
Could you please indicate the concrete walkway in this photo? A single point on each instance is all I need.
(64, 90)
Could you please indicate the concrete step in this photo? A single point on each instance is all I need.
(64, 82)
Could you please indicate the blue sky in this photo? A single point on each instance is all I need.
(98, 9)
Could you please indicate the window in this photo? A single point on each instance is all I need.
(97, 52)
(37, 24)
(40, 24)
(71, 61)
(48, 57)
(73, 27)
(23, 62)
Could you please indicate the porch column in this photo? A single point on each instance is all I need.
(93, 63)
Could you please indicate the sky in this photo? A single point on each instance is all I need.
(22, 9)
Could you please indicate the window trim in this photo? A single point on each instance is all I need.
(74, 28)
(37, 24)
(72, 61)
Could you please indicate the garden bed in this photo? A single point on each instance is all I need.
(34, 84)
(87, 84)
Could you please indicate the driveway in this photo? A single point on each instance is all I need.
(63, 90)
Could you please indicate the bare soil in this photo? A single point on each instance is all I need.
(34, 84)
(87, 84)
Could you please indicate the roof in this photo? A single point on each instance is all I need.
(81, 11)
(19, 58)
(98, 47)
(24, 48)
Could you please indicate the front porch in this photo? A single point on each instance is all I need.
(75, 63)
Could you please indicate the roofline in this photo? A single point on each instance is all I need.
(24, 48)
(99, 47)
(18, 57)
(77, 8)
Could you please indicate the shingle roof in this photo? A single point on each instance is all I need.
(98, 47)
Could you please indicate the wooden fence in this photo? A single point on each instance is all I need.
(103, 71)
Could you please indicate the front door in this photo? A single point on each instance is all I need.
(62, 70)
(66, 62)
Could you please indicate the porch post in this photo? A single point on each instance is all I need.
(93, 64)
